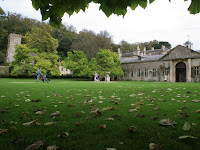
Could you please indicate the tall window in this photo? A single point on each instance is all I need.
(154, 72)
(138, 73)
(166, 71)
(132, 73)
(196, 70)
(145, 72)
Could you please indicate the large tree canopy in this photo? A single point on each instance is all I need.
(55, 9)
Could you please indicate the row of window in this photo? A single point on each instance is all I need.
(146, 72)
(166, 72)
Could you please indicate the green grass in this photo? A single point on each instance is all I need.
(166, 101)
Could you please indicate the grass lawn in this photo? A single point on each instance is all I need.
(85, 115)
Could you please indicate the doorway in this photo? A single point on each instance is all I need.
(180, 72)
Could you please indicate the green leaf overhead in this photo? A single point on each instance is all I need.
(55, 9)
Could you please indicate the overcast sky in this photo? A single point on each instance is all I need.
(161, 20)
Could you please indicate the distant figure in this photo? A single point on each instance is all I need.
(98, 78)
(38, 75)
(165, 78)
(95, 76)
(45, 79)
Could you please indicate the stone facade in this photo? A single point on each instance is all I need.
(180, 64)
(13, 40)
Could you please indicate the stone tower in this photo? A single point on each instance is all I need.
(13, 40)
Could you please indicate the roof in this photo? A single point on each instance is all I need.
(198, 51)
(187, 43)
(125, 60)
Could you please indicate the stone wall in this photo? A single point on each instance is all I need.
(13, 40)
(4, 70)
(145, 71)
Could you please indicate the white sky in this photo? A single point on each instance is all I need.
(161, 20)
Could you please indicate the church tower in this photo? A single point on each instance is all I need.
(13, 40)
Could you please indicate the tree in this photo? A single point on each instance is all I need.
(55, 10)
(41, 39)
(126, 47)
(77, 63)
(23, 59)
(38, 52)
(90, 43)
(108, 62)
(64, 35)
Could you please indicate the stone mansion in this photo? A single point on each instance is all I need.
(180, 64)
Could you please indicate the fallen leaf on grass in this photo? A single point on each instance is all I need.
(18, 140)
(186, 126)
(40, 113)
(94, 110)
(132, 110)
(2, 96)
(194, 124)
(116, 116)
(167, 122)
(132, 129)
(195, 100)
(71, 105)
(12, 122)
(79, 123)
(102, 126)
(77, 115)
(3, 111)
(54, 147)
(49, 123)
(153, 146)
(197, 111)
(55, 114)
(28, 123)
(36, 100)
(155, 118)
(139, 103)
(27, 100)
(63, 135)
(108, 108)
(34, 146)
(110, 119)
(186, 136)
(3, 131)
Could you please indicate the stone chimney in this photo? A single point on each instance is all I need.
(144, 51)
(138, 50)
(163, 47)
(119, 52)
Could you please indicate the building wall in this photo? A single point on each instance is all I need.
(196, 63)
(136, 71)
(64, 71)
(131, 70)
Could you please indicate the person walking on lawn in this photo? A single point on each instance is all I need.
(38, 75)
